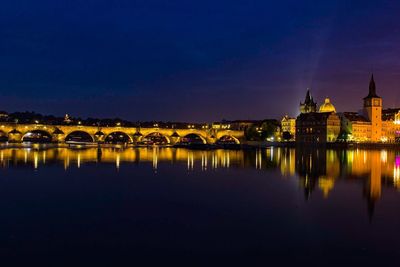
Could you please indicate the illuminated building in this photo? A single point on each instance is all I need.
(288, 124)
(309, 105)
(67, 119)
(367, 126)
(373, 111)
(3, 115)
(373, 124)
(357, 126)
(235, 124)
(327, 106)
(317, 127)
(391, 124)
(221, 125)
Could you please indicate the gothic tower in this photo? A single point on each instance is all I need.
(309, 105)
(373, 111)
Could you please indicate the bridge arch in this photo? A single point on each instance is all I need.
(193, 138)
(118, 137)
(228, 139)
(3, 136)
(37, 136)
(79, 136)
(155, 138)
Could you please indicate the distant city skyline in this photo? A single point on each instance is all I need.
(180, 61)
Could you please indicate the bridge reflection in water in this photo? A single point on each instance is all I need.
(313, 169)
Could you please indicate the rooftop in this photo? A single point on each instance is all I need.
(354, 116)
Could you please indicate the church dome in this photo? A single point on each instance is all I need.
(327, 106)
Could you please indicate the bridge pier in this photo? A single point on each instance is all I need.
(14, 136)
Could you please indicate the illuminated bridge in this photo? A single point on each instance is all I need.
(13, 132)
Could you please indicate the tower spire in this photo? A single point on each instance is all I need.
(309, 105)
(308, 97)
(372, 88)
(373, 111)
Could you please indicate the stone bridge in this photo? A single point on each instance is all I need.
(60, 133)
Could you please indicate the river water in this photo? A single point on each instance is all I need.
(179, 207)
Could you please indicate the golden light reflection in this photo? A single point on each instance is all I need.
(78, 160)
(190, 161)
(35, 159)
(204, 161)
(326, 185)
(383, 156)
(258, 159)
(155, 158)
(316, 168)
(288, 162)
(396, 173)
(118, 161)
(26, 156)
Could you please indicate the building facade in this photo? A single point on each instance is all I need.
(317, 127)
(373, 124)
(356, 126)
(288, 125)
(391, 125)
(373, 111)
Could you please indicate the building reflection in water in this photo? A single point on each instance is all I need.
(396, 172)
(314, 168)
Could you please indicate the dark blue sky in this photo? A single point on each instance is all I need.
(195, 60)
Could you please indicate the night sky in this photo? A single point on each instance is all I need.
(195, 60)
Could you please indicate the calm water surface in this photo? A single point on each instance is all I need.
(177, 207)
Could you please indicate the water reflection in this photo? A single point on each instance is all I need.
(313, 168)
